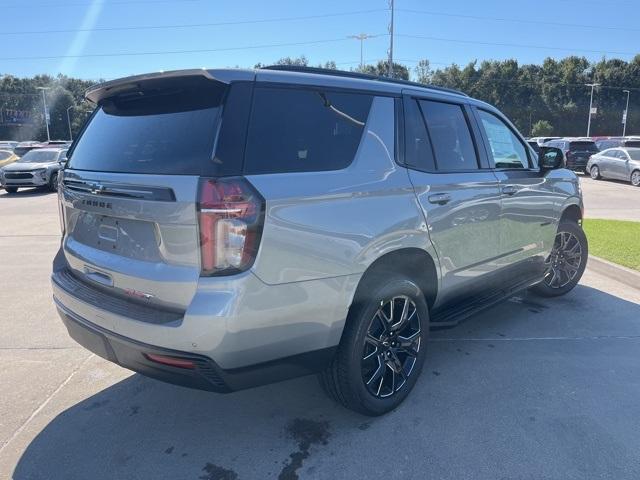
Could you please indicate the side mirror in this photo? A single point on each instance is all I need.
(550, 158)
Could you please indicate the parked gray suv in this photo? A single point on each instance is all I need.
(226, 228)
(37, 168)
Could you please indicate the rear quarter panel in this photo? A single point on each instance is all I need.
(329, 224)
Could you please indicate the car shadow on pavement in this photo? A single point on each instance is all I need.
(509, 393)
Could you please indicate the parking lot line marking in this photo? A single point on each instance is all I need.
(28, 235)
(45, 403)
(41, 348)
(527, 339)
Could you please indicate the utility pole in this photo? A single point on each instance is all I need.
(69, 123)
(592, 85)
(626, 115)
(46, 112)
(390, 69)
(362, 37)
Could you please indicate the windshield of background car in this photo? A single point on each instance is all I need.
(4, 154)
(165, 132)
(39, 156)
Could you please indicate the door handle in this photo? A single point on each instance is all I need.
(440, 198)
(509, 190)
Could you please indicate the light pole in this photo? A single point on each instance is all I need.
(626, 115)
(390, 70)
(592, 85)
(69, 123)
(362, 37)
(46, 113)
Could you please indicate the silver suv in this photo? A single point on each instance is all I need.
(224, 229)
(37, 168)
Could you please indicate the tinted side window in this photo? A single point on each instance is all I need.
(506, 149)
(300, 130)
(450, 136)
(418, 152)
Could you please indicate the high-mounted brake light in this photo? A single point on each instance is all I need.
(231, 214)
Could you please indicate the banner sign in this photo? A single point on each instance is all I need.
(17, 117)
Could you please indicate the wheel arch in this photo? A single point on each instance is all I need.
(572, 213)
(413, 262)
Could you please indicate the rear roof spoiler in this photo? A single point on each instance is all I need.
(98, 92)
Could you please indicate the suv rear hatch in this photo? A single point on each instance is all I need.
(580, 152)
(129, 189)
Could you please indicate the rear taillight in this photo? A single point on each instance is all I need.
(231, 214)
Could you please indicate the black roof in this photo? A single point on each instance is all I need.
(363, 76)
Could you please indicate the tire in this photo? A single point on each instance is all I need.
(11, 189)
(595, 172)
(635, 178)
(566, 263)
(374, 376)
(53, 182)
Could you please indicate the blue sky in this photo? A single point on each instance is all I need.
(456, 31)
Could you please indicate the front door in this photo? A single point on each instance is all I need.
(459, 197)
(619, 165)
(529, 203)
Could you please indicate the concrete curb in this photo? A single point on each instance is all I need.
(614, 271)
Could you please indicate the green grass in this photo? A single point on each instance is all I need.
(614, 240)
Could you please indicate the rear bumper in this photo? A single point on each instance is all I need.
(577, 164)
(206, 374)
(240, 331)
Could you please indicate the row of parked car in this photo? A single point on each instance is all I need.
(31, 164)
(616, 158)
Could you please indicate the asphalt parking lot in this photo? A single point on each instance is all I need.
(610, 199)
(544, 389)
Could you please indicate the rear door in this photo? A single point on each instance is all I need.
(457, 191)
(130, 186)
(605, 160)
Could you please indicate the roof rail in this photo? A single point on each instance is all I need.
(362, 76)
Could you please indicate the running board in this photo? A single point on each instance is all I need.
(452, 316)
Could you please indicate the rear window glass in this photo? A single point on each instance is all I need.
(583, 146)
(302, 130)
(450, 136)
(161, 131)
(418, 151)
(632, 143)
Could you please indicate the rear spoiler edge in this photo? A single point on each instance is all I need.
(100, 91)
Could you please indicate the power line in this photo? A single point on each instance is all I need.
(517, 45)
(175, 52)
(194, 25)
(107, 3)
(517, 20)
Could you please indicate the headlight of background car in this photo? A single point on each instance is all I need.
(42, 172)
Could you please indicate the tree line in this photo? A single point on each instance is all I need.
(547, 99)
